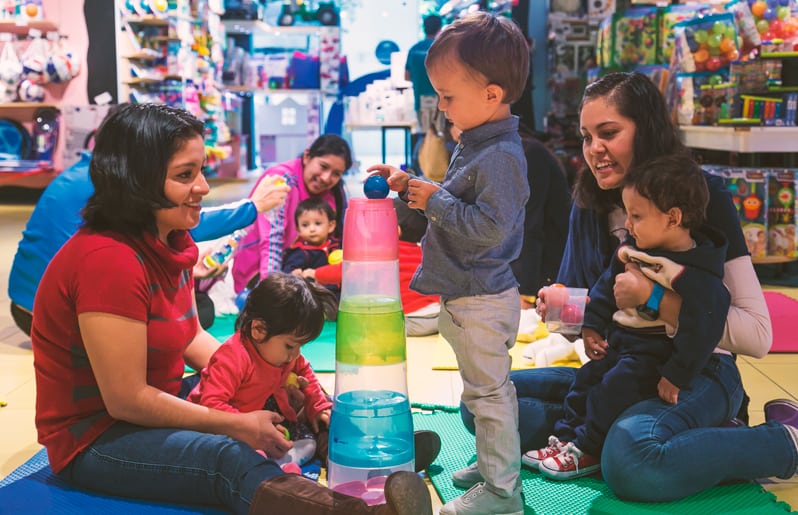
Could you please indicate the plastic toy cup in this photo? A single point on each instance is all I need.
(565, 309)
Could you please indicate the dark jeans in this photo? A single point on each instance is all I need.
(205, 309)
(22, 317)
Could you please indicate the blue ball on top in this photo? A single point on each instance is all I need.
(376, 187)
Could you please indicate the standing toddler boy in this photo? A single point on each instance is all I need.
(476, 221)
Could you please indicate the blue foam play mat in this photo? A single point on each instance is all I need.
(33, 489)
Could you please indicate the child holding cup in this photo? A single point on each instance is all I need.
(665, 201)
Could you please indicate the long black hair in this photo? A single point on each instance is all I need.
(332, 144)
(636, 97)
(128, 166)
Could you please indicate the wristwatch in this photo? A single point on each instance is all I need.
(650, 310)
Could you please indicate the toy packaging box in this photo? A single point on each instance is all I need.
(781, 213)
(748, 187)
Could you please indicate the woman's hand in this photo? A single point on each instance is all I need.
(595, 345)
(632, 287)
(668, 391)
(397, 179)
(264, 432)
(419, 192)
(270, 193)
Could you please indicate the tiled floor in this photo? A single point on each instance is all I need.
(765, 379)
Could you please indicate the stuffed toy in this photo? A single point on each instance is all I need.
(545, 348)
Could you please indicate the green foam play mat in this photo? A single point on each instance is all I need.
(587, 495)
(319, 352)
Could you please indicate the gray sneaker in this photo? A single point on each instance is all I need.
(481, 500)
(467, 477)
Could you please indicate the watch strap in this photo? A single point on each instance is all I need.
(655, 298)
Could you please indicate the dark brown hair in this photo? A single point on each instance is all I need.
(491, 46)
(671, 181)
(287, 304)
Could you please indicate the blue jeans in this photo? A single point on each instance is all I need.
(171, 465)
(661, 452)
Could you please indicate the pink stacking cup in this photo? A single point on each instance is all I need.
(371, 232)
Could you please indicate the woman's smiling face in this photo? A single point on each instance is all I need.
(608, 142)
(322, 173)
(185, 186)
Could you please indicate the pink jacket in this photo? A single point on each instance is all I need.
(262, 249)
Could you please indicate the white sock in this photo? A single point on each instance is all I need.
(301, 453)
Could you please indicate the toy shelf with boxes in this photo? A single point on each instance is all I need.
(289, 75)
(34, 57)
(766, 204)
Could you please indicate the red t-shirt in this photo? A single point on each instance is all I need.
(137, 278)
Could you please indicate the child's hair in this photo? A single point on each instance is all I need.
(669, 181)
(484, 44)
(314, 204)
(287, 304)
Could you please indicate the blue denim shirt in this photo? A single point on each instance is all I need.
(476, 219)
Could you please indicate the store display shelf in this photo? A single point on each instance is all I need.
(257, 26)
(22, 110)
(22, 28)
(741, 139)
(773, 260)
(151, 21)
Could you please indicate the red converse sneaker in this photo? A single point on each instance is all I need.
(533, 458)
(570, 464)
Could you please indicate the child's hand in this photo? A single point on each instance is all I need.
(203, 272)
(632, 287)
(595, 345)
(668, 391)
(322, 417)
(270, 193)
(419, 192)
(309, 273)
(296, 398)
(396, 178)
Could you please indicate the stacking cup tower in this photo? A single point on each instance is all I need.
(371, 427)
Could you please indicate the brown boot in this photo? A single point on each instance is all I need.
(405, 492)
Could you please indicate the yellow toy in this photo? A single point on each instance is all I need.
(292, 380)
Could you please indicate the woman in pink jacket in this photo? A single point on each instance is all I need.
(316, 173)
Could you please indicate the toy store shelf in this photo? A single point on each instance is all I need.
(773, 260)
(22, 110)
(36, 179)
(256, 26)
(21, 29)
(741, 139)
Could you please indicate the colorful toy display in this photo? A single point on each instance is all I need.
(325, 13)
(671, 15)
(711, 43)
(371, 427)
(773, 19)
(636, 36)
(781, 214)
